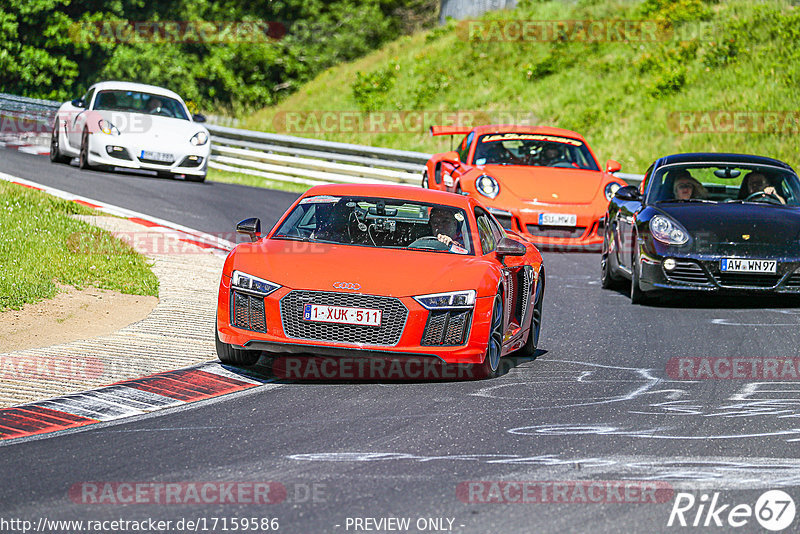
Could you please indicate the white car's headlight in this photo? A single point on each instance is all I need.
(253, 284)
(445, 301)
(487, 186)
(198, 139)
(668, 231)
(107, 128)
(611, 189)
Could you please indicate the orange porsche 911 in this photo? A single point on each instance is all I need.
(381, 271)
(544, 183)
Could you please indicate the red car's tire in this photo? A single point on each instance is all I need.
(490, 367)
(230, 355)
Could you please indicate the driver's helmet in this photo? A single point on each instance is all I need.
(496, 152)
(552, 152)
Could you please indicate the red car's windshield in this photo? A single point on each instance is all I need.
(378, 222)
(538, 150)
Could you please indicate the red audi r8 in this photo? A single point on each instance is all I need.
(381, 271)
(542, 182)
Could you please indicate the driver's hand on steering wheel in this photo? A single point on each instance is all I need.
(770, 190)
(446, 239)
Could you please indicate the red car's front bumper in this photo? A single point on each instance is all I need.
(275, 339)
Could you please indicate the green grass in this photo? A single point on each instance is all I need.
(216, 175)
(621, 95)
(42, 246)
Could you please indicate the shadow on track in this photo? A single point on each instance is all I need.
(315, 369)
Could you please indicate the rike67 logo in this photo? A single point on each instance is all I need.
(774, 510)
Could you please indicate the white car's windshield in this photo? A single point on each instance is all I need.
(138, 102)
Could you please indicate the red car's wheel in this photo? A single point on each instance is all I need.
(491, 361)
(230, 355)
(529, 348)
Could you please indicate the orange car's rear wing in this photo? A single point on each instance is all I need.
(450, 130)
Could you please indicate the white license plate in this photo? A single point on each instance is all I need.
(558, 219)
(156, 156)
(342, 315)
(734, 265)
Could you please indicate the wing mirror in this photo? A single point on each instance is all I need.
(79, 103)
(629, 192)
(197, 117)
(510, 247)
(451, 157)
(613, 166)
(250, 227)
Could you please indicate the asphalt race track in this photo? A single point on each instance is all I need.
(598, 403)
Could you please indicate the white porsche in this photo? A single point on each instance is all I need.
(134, 126)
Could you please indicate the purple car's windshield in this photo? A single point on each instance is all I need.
(378, 223)
(720, 182)
(537, 150)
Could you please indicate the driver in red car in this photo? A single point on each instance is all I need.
(444, 226)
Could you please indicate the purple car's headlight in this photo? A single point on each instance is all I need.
(668, 231)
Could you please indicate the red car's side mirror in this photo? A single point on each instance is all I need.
(612, 166)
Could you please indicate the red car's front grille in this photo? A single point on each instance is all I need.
(446, 327)
(393, 320)
(248, 312)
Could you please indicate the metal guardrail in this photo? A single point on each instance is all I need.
(311, 161)
(278, 157)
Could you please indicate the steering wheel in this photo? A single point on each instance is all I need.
(430, 242)
(565, 164)
(769, 197)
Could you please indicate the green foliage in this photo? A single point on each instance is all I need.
(41, 246)
(57, 48)
(622, 96)
(369, 90)
(721, 53)
(675, 10)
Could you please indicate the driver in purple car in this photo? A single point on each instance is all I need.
(757, 182)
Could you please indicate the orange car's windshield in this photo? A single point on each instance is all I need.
(537, 150)
(378, 222)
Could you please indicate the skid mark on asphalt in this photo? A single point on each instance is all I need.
(657, 408)
(682, 472)
(124, 399)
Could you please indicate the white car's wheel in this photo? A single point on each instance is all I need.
(55, 151)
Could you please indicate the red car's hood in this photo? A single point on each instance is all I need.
(399, 273)
(547, 184)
